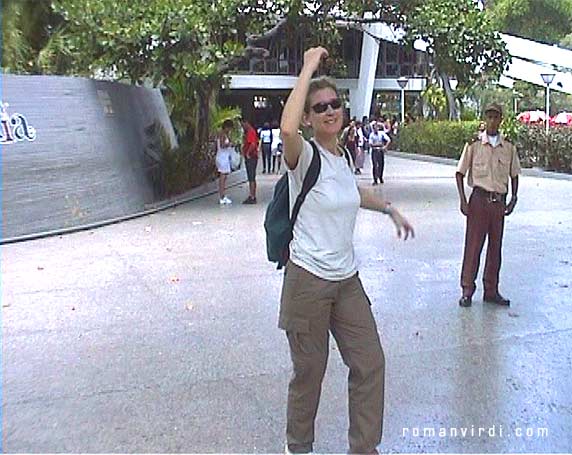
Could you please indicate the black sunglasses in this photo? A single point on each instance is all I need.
(320, 108)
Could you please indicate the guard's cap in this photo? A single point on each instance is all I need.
(493, 107)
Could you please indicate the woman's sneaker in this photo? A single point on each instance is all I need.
(227, 200)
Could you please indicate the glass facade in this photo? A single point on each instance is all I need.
(395, 61)
(286, 56)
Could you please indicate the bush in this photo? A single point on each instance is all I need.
(535, 148)
(441, 138)
(552, 152)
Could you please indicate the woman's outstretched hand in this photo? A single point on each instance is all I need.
(403, 226)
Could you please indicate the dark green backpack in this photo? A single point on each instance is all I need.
(277, 222)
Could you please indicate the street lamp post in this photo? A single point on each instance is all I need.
(547, 78)
(402, 81)
(517, 96)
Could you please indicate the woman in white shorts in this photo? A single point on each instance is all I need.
(224, 149)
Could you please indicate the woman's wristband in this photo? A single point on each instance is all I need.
(387, 210)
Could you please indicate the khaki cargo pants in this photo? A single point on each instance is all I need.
(310, 308)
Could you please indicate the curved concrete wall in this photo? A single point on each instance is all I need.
(77, 151)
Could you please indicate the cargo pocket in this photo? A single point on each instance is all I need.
(298, 333)
(291, 324)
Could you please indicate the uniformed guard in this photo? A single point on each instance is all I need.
(489, 161)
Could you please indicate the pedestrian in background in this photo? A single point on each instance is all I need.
(266, 147)
(378, 143)
(276, 148)
(366, 129)
(488, 163)
(360, 141)
(250, 153)
(322, 292)
(482, 129)
(224, 150)
(350, 141)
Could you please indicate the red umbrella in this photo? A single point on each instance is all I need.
(563, 118)
(531, 117)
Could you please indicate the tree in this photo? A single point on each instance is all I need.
(548, 21)
(461, 41)
(566, 42)
(187, 46)
(27, 26)
(183, 46)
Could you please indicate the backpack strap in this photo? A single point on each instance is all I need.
(347, 155)
(311, 178)
(309, 181)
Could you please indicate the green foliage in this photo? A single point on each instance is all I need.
(532, 97)
(435, 98)
(187, 46)
(56, 56)
(535, 148)
(511, 128)
(528, 97)
(176, 169)
(547, 21)
(220, 114)
(440, 138)
(462, 42)
(149, 41)
(492, 93)
(461, 38)
(566, 42)
(26, 27)
(468, 114)
(183, 46)
(551, 152)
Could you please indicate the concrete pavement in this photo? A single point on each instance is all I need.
(159, 334)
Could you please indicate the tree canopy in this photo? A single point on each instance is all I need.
(547, 21)
(27, 26)
(461, 40)
(188, 46)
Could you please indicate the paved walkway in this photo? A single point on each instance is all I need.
(159, 334)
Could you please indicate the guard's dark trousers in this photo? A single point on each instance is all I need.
(485, 219)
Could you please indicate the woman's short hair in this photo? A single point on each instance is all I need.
(227, 124)
(319, 84)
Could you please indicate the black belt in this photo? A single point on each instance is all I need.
(490, 195)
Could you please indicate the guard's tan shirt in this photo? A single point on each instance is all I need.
(489, 167)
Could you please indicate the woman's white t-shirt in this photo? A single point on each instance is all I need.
(323, 232)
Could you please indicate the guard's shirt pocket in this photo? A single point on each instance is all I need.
(503, 166)
(480, 167)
